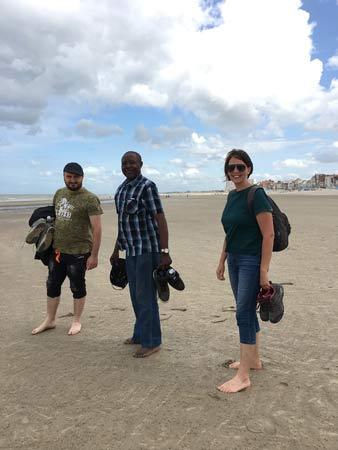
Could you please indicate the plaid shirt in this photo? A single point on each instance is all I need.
(137, 201)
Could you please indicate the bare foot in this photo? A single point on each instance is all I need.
(130, 341)
(236, 384)
(46, 325)
(74, 329)
(257, 366)
(143, 352)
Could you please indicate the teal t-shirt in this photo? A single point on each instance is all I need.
(240, 225)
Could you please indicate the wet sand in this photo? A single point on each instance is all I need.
(86, 391)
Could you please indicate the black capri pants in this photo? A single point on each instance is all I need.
(62, 265)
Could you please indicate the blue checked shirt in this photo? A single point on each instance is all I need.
(137, 201)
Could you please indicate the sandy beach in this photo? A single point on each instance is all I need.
(88, 392)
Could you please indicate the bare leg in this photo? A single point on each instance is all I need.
(241, 380)
(75, 327)
(257, 363)
(49, 322)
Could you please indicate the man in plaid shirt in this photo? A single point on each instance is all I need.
(143, 234)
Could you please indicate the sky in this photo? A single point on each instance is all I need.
(180, 82)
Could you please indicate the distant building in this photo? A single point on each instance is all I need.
(321, 180)
(267, 184)
(318, 181)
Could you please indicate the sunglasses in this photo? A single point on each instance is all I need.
(232, 167)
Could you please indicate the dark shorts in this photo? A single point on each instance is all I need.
(72, 266)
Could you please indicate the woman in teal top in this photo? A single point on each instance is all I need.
(247, 248)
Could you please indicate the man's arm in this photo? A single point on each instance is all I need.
(116, 253)
(95, 222)
(164, 238)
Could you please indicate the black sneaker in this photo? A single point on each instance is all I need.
(161, 282)
(264, 301)
(174, 279)
(118, 274)
(276, 306)
(264, 312)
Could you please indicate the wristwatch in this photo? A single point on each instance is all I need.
(165, 250)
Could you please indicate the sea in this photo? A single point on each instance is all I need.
(28, 202)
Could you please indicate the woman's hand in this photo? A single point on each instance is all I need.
(220, 271)
(264, 279)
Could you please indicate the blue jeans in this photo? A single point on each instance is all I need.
(147, 328)
(244, 273)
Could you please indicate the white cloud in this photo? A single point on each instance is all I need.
(227, 77)
(296, 163)
(198, 139)
(191, 172)
(100, 175)
(142, 134)
(93, 171)
(162, 136)
(34, 130)
(88, 128)
(333, 61)
(141, 94)
(149, 171)
(177, 161)
(59, 6)
(328, 155)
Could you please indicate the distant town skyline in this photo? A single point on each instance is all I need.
(181, 82)
(317, 181)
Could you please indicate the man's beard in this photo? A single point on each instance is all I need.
(74, 188)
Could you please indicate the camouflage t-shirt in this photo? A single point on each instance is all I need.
(73, 233)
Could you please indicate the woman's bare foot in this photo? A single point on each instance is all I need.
(74, 329)
(143, 352)
(47, 324)
(256, 366)
(236, 384)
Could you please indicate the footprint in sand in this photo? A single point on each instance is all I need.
(261, 425)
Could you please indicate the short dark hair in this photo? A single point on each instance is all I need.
(134, 153)
(73, 168)
(239, 154)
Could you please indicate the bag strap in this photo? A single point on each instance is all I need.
(251, 195)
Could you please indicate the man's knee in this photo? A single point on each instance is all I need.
(76, 274)
(53, 288)
(78, 291)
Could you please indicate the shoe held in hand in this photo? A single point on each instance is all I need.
(270, 303)
(174, 279)
(161, 281)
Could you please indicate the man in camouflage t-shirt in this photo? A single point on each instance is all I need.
(76, 244)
